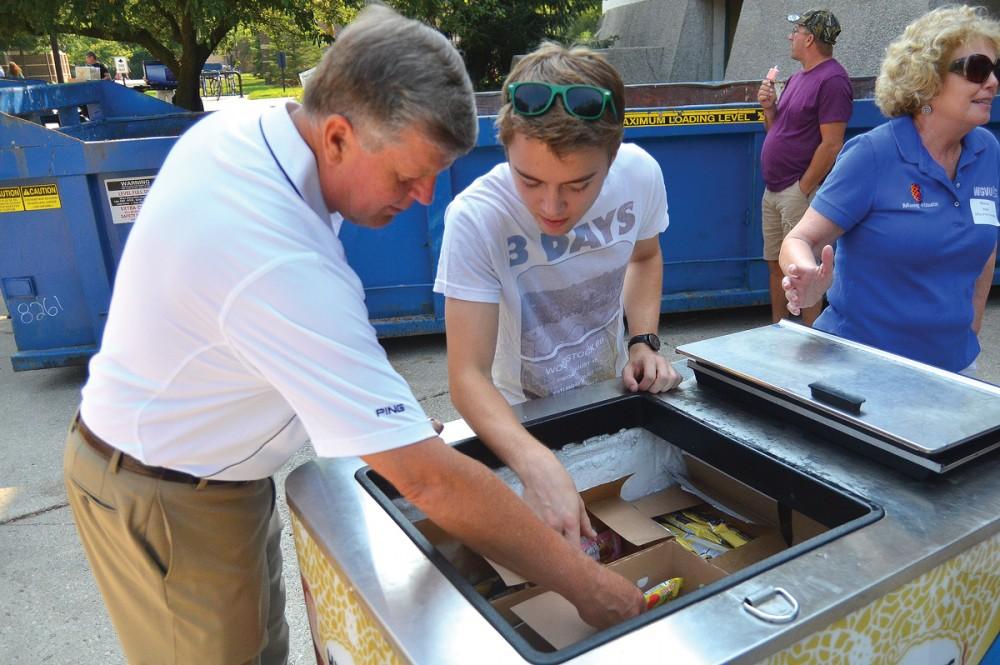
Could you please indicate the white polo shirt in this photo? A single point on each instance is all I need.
(237, 329)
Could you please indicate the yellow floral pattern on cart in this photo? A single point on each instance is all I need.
(343, 631)
(951, 613)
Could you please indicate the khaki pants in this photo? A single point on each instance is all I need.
(780, 212)
(189, 576)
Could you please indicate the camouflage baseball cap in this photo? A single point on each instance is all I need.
(820, 22)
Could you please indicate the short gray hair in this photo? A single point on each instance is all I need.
(386, 73)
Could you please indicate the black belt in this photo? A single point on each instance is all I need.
(107, 451)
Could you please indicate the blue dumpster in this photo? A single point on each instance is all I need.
(710, 156)
(68, 194)
(69, 190)
(19, 83)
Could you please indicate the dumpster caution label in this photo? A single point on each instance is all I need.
(40, 197)
(725, 116)
(125, 196)
(29, 197)
(10, 199)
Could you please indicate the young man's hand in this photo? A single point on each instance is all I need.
(551, 494)
(648, 371)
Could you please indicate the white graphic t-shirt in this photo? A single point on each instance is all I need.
(560, 297)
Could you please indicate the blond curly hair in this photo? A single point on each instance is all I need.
(916, 62)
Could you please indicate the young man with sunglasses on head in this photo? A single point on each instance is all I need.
(805, 131)
(543, 255)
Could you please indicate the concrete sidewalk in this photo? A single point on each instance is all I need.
(52, 612)
(213, 104)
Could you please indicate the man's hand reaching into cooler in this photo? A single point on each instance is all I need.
(613, 600)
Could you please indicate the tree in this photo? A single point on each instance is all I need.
(77, 47)
(489, 33)
(583, 30)
(255, 46)
(180, 33)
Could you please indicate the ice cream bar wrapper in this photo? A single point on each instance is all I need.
(663, 592)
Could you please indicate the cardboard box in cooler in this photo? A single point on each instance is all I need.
(556, 620)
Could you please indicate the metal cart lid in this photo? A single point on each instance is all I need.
(918, 406)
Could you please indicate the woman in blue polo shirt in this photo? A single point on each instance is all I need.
(912, 204)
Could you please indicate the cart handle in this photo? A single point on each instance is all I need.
(756, 598)
(834, 396)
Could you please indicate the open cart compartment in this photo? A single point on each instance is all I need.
(636, 459)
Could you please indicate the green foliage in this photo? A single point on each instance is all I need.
(489, 33)
(183, 33)
(253, 46)
(76, 47)
(238, 48)
(11, 41)
(180, 33)
(583, 30)
(328, 15)
(303, 48)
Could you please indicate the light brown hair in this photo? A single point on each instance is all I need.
(562, 132)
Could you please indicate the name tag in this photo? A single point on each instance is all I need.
(984, 211)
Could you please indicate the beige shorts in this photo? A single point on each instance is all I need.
(780, 211)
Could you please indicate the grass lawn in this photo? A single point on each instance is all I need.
(254, 87)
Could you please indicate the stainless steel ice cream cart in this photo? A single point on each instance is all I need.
(904, 567)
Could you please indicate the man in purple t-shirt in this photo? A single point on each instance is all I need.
(805, 131)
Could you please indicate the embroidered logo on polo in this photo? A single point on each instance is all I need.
(988, 191)
(917, 194)
(389, 409)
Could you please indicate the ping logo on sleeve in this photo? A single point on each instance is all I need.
(389, 409)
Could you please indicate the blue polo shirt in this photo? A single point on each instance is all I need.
(914, 242)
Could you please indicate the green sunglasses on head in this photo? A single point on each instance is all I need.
(586, 102)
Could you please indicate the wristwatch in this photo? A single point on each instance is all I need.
(649, 339)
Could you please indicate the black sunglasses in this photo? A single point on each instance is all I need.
(586, 102)
(976, 68)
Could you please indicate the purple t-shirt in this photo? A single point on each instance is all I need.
(812, 98)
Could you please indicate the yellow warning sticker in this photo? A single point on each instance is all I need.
(726, 116)
(40, 197)
(10, 199)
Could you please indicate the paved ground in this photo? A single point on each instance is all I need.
(227, 102)
(52, 612)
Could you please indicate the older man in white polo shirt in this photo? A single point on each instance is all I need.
(237, 330)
